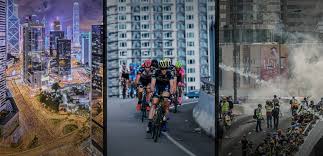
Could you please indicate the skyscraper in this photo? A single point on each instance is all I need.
(12, 28)
(54, 36)
(76, 24)
(2, 53)
(97, 86)
(86, 48)
(57, 25)
(69, 32)
(64, 57)
(159, 29)
(33, 50)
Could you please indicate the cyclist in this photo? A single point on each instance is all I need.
(132, 77)
(180, 80)
(172, 68)
(154, 64)
(124, 76)
(161, 83)
(143, 79)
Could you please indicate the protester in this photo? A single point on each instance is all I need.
(275, 114)
(259, 117)
(275, 100)
(269, 108)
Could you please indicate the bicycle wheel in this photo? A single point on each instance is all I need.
(157, 131)
(143, 111)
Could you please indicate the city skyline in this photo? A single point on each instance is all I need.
(48, 9)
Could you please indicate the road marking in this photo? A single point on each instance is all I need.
(178, 144)
(184, 104)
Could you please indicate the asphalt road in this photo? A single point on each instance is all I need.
(127, 136)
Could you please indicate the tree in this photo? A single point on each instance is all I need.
(55, 86)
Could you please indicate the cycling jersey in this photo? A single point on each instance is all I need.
(125, 74)
(145, 77)
(172, 68)
(179, 74)
(162, 81)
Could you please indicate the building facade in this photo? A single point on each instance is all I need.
(143, 29)
(53, 37)
(97, 89)
(3, 56)
(97, 57)
(86, 48)
(13, 24)
(64, 58)
(33, 53)
(69, 32)
(253, 21)
(76, 24)
(57, 25)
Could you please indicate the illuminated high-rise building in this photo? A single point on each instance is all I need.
(69, 32)
(12, 28)
(97, 88)
(64, 57)
(86, 48)
(76, 24)
(33, 52)
(57, 25)
(3, 55)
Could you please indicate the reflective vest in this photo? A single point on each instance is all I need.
(269, 108)
(225, 107)
(258, 113)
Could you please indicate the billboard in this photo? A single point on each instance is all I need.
(274, 61)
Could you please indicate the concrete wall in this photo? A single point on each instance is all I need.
(204, 113)
(311, 140)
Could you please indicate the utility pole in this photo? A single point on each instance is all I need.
(235, 50)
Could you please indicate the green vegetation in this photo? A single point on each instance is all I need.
(55, 86)
(34, 142)
(69, 128)
(49, 101)
(56, 121)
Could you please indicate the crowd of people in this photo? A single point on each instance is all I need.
(283, 142)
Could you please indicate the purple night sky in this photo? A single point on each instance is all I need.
(90, 11)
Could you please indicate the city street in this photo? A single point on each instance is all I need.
(126, 131)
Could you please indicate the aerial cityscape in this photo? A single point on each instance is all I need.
(51, 69)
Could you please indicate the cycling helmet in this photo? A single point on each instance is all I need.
(259, 105)
(178, 64)
(167, 61)
(163, 64)
(147, 63)
(154, 63)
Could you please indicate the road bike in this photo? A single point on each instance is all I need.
(158, 118)
(144, 105)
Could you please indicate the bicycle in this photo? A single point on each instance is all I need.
(144, 105)
(176, 103)
(158, 119)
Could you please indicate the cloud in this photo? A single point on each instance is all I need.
(91, 11)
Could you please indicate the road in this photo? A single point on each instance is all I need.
(127, 136)
(37, 121)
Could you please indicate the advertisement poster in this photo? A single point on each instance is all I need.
(270, 64)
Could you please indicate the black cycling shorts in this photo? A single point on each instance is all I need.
(160, 88)
(144, 82)
(125, 76)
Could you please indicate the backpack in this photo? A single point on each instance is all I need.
(255, 114)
